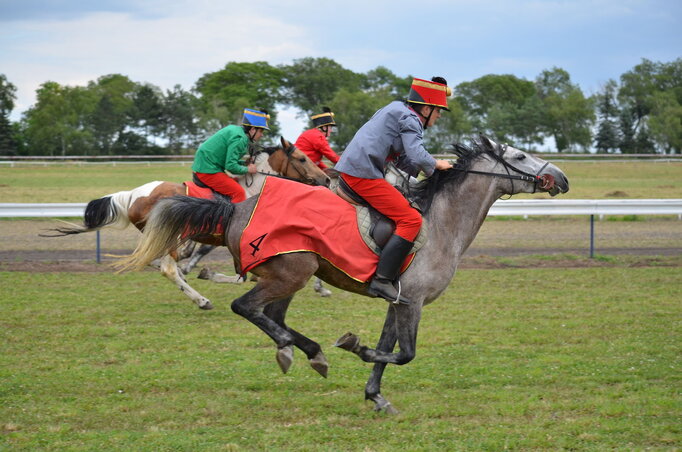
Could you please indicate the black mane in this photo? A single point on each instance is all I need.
(424, 192)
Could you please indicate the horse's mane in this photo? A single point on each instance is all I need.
(424, 192)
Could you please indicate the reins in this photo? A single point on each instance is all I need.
(545, 181)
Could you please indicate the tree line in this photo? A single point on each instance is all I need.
(113, 115)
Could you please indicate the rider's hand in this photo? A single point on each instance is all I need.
(251, 168)
(443, 164)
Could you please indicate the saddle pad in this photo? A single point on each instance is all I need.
(291, 217)
(195, 191)
(365, 226)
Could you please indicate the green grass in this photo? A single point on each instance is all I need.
(72, 183)
(521, 359)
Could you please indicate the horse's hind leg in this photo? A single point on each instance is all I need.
(169, 269)
(277, 311)
(280, 278)
(196, 255)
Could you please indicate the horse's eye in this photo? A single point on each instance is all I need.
(302, 160)
(521, 157)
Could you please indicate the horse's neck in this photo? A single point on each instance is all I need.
(454, 219)
(252, 183)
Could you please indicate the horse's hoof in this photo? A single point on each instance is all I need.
(324, 292)
(205, 273)
(348, 341)
(382, 405)
(285, 357)
(387, 408)
(319, 363)
(206, 306)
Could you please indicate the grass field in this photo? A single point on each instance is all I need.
(516, 359)
(70, 183)
(562, 359)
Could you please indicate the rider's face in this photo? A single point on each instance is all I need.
(257, 134)
(434, 116)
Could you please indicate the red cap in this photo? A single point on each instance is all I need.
(429, 93)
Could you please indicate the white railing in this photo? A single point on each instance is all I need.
(512, 207)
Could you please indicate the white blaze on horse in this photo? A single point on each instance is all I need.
(132, 206)
(454, 204)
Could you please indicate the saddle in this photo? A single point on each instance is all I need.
(375, 228)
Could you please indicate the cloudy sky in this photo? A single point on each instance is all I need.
(173, 42)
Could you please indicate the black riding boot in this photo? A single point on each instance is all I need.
(392, 257)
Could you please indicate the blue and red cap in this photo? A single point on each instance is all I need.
(255, 118)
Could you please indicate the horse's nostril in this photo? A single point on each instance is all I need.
(327, 182)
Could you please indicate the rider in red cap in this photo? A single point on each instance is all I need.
(395, 133)
(313, 142)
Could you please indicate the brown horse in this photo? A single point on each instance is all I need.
(455, 203)
(132, 206)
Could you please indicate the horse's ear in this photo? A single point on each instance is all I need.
(285, 143)
(487, 142)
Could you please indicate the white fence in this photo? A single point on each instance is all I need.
(512, 207)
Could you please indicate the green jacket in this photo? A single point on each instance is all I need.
(223, 152)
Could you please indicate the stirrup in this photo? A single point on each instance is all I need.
(377, 292)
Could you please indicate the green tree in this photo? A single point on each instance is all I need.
(499, 105)
(225, 93)
(180, 120)
(568, 114)
(607, 139)
(627, 124)
(146, 114)
(653, 88)
(57, 124)
(8, 143)
(310, 83)
(115, 106)
(665, 121)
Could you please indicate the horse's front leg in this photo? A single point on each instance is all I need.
(277, 311)
(407, 322)
(169, 269)
(320, 289)
(386, 344)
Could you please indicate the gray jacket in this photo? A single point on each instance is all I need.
(394, 130)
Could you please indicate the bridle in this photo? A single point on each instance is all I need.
(546, 181)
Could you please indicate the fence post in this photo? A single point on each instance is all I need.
(99, 255)
(591, 236)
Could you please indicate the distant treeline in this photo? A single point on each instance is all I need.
(113, 115)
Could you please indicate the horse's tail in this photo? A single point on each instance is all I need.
(110, 210)
(98, 214)
(172, 222)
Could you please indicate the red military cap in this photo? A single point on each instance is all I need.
(429, 93)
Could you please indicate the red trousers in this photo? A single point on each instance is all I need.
(224, 184)
(386, 199)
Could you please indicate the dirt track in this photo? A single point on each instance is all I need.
(561, 243)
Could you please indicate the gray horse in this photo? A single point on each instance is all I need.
(454, 203)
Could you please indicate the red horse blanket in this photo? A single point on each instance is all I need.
(292, 217)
